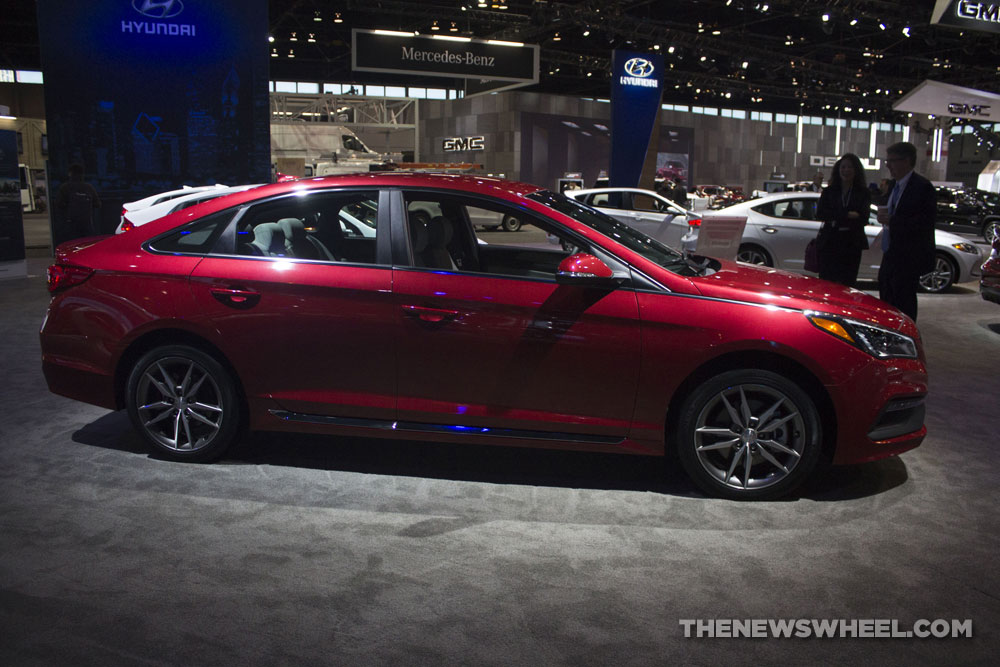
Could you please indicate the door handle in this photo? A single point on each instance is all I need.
(235, 297)
(430, 314)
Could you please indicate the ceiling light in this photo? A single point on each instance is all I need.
(270, 38)
(826, 17)
(906, 31)
(586, 32)
(670, 49)
(556, 37)
(453, 28)
(716, 32)
(274, 53)
(317, 17)
(337, 19)
(291, 53)
(293, 38)
(656, 47)
(435, 26)
(745, 64)
(312, 38)
(881, 26)
(854, 21)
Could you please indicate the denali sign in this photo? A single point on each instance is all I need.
(872, 164)
(404, 53)
(453, 144)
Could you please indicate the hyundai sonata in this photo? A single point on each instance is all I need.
(259, 311)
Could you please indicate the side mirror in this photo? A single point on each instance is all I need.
(585, 270)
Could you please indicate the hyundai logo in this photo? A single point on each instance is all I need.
(639, 67)
(158, 9)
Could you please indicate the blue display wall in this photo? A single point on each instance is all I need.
(148, 95)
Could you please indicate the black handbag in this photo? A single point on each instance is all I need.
(812, 257)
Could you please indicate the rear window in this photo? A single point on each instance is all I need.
(197, 238)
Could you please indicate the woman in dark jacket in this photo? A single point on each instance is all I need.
(844, 209)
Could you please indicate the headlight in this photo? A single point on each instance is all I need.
(876, 341)
(966, 247)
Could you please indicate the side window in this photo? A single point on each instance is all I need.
(197, 238)
(766, 209)
(319, 226)
(353, 144)
(457, 233)
(646, 203)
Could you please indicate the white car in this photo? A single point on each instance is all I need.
(779, 226)
(140, 215)
(650, 212)
(153, 200)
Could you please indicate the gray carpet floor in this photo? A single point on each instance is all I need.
(307, 551)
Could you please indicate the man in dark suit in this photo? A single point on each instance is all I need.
(908, 230)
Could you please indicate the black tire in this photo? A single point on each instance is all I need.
(183, 403)
(510, 223)
(754, 254)
(713, 438)
(991, 229)
(942, 277)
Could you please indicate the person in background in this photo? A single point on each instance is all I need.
(908, 230)
(678, 194)
(76, 202)
(817, 184)
(843, 208)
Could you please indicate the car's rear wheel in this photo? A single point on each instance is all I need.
(942, 277)
(510, 223)
(991, 230)
(184, 403)
(753, 254)
(748, 435)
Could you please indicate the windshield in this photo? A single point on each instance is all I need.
(632, 239)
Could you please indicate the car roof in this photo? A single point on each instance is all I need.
(776, 196)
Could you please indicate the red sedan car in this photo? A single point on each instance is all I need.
(267, 310)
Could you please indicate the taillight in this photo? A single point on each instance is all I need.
(127, 226)
(694, 222)
(64, 276)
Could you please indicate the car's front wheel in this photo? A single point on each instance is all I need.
(991, 230)
(184, 403)
(748, 435)
(752, 254)
(942, 277)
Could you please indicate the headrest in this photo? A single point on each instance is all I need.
(418, 235)
(269, 237)
(292, 227)
(439, 232)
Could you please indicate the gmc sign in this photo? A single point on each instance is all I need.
(961, 109)
(453, 144)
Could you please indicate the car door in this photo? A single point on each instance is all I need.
(489, 341)
(304, 309)
(788, 225)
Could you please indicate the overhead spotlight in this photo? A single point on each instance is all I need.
(312, 38)
(656, 47)
(826, 17)
(453, 28)
(435, 26)
(906, 31)
(745, 64)
(670, 49)
(337, 18)
(274, 53)
(293, 38)
(854, 21)
(586, 32)
(270, 38)
(317, 17)
(291, 53)
(881, 26)
(716, 32)
(556, 37)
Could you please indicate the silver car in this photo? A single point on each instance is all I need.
(650, 212)
(779, 227)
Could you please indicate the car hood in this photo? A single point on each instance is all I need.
(763, 285)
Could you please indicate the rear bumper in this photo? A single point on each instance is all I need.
(79, 383)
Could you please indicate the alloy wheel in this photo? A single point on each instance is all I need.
(749, 436)
(179, 404)
(941, 278)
